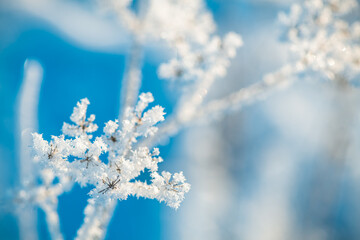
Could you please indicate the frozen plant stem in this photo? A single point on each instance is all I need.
(52, 220)
(97, 218)
(26, 123)
(131, 82)
(252, 93)
(98, 214)
(218, 108)
(316, 52)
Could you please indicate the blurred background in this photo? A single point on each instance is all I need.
(286, 167)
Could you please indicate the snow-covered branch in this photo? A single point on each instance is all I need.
(77, 156)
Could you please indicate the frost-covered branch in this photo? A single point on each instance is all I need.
(247, 95)
(52, 220)
(200, 67)
(77, 156)
(132, 78)
(199, 56)
(325, 44)
(232, 102)
(44, 196)
(131, 82)
(97, 218)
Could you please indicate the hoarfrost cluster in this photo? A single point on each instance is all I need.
(175, 21)
(77, 156)
(199, 57)
(324, 41)
(189, 33)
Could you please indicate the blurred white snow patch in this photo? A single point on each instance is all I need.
(300, 114)
(79, 25)
(211, 200)
(280, 2)
(266, 213)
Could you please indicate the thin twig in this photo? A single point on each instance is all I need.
(216, 108)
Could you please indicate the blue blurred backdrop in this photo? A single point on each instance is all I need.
(77, 66)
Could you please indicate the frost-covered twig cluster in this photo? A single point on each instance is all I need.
(114, 179)
(80, 158)
(199, 56)
(325, 43)
(185, 27)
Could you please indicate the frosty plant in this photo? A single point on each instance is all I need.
(112, 162)
(112, 180)
(77, 157)
(323, 42)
